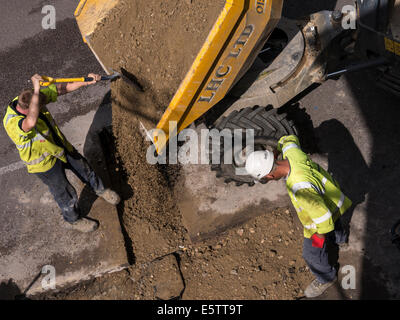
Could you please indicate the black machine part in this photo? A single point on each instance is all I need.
(377, 26)
(395, 232)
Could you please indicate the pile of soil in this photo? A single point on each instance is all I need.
(258, 260)
(155, 42)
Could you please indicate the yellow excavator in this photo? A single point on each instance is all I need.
(255, 61)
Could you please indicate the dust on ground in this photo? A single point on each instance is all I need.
(259, 260)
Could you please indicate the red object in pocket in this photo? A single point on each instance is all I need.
(317, 242)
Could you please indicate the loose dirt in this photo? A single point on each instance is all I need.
(156, 42)
(258, 260)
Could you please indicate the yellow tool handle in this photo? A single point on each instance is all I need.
(50, 80)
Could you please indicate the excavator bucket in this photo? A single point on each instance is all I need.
(231, 47)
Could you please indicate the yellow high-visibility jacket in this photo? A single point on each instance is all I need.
(37, 148)
(316, 196)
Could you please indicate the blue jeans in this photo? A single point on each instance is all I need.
(317, 258)
(63, 192)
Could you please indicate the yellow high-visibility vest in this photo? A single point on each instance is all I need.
(37, 148)
(316, 196)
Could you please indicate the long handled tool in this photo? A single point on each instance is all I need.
(124, 75)
(49, 80)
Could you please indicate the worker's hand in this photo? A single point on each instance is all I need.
(95, 76)
(318, 240)
(36, 81)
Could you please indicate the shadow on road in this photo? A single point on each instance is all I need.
(9, 290)
(107, 166)
(92, 150)
(380, 111)
(345, 162)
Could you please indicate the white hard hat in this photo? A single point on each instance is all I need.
(259, 163)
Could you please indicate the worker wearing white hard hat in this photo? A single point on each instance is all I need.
(317, 199)
(262, 165)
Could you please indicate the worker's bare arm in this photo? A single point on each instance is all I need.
(63, 88)
(33, 112)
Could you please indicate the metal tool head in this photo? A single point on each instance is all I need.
(115, 75)
(128, 78)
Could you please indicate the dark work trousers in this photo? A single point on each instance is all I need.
(317, 258)
(63, 192)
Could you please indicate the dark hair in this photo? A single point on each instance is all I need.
(24, 99)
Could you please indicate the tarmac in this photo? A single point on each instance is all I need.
(32, 234)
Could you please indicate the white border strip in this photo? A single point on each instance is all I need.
(12, 167)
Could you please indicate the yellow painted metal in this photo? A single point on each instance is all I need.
(232, 45)
(90, 12)
(389, 45)
(50, 80)
(392, 46)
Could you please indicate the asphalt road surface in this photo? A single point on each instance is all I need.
(31, 232)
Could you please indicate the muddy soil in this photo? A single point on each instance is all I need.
(258, 260)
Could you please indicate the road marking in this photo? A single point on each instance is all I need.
(12, 167)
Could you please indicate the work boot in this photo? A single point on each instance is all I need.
(317, 288)
(110, 196)
(83, 225)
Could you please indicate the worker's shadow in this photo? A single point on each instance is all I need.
(100, 151)
(92, 152)
(347, 166)
(345, 162)
(9, 290)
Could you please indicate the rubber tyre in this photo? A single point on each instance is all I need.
(268, 126)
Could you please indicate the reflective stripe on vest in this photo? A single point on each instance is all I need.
(324, 180)
(307, 185)
(10, 116)
(36, 138)
(325, 217)
(310, 226)
(43, 157)
(341, 201)
(290, 146)
(304, 185)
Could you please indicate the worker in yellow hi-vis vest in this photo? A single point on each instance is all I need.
(317, 198)
(47, 153)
